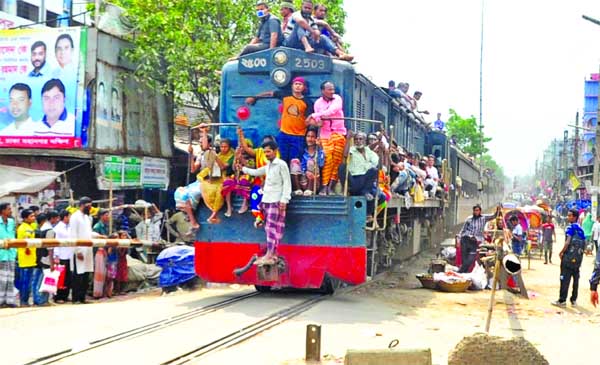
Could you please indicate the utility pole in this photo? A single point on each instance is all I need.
(564, 159)
(576, 146)
(480, 185)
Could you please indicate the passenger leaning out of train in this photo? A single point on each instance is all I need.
(269, 33)
(329, 117)
(306, 171)
(295, 109)
(304, 34)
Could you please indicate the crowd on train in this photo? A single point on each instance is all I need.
(83, 272)
(306, 29)
(314, 153)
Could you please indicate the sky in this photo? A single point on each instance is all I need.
(536, 55)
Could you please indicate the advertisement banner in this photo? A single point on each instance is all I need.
(155, 173)
(132, 171)
(41, 87)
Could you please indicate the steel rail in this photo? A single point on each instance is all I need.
(143, 330)
(247, 332)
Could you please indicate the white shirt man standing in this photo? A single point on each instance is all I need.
(82, 263)
(63, 256)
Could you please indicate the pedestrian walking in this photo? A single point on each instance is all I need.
(548, 238)
(8, 258)
(571, 257)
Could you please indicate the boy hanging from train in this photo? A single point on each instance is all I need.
(277, 194)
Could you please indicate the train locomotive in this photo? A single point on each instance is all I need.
(327, 239)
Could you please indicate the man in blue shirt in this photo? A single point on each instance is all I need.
(574, 234)
(8, 257)
(269, 33)
(438, 124)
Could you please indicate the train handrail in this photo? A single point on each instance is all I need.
(72, 242)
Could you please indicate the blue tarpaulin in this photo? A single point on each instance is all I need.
(177, 265)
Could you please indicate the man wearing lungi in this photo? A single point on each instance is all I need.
(8, 258)
(277, 193)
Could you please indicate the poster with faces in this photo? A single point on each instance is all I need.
(41, 87)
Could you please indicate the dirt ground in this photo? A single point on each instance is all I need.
(397, 308)
(368, 318)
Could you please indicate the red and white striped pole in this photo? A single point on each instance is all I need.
(50, 243)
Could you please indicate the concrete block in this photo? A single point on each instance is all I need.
(388, 357)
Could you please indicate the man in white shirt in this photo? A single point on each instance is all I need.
(19, 105)
(63, 256)
(57, 122)
(277, 193)
(82, 263)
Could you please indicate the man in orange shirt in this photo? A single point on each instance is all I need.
(293, 118)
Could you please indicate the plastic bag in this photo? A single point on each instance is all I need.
(419, 196)
(50, 281)
(61, 278)
(478, 277)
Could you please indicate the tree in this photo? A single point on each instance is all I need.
(467, 134)
(180, 45)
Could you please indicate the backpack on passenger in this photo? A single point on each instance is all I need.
(574, 255)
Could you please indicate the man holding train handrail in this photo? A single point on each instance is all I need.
(471, 235)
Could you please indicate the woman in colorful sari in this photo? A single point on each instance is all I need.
(210, 177)
(225, 160)
(239, 184)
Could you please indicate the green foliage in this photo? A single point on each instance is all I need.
(180, 44)
(467, 134)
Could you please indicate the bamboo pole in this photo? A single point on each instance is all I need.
(498, 264)
(69, 242)
(110, 203)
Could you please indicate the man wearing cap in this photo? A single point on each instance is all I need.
(286, 11)
(305, 35)
(269, 33)
(82, 262)
(295, 109)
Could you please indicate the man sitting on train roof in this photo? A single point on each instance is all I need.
(304, 34)
(296, 109)
(320, 12)
(269, 34)
(286, 10)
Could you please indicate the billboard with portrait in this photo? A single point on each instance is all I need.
(41, 87)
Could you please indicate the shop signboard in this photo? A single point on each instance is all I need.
(133, 173)
(41, 88)
(155, 173)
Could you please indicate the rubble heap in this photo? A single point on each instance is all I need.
(492, 350)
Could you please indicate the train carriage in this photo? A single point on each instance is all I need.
(326, 238)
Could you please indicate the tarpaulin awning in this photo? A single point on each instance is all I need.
(22, 180)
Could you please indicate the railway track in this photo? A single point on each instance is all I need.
(144, 330)
(247, 332)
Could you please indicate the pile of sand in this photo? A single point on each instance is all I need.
(491, 350)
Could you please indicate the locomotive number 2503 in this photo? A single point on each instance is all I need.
(308, 63)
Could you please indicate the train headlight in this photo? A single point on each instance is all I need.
(280, 58)
(280, 77)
